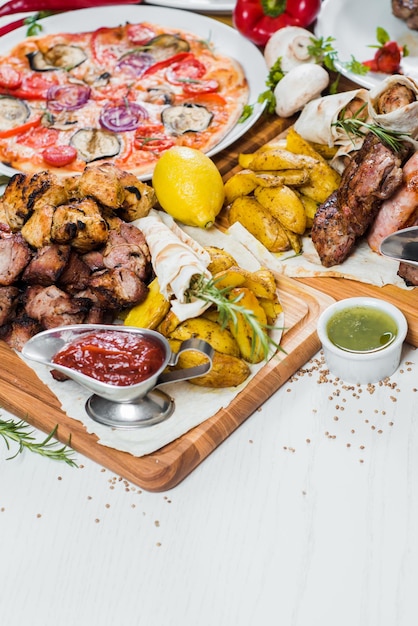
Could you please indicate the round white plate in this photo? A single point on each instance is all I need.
(205, 6)
(226, 40)
(353, 25)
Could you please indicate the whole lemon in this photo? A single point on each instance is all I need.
(188, 186)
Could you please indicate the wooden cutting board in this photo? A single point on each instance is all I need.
(22, 393)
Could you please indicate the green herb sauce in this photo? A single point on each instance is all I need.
(361, 328)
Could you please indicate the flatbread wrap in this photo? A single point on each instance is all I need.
(393, 104)
(317, 121)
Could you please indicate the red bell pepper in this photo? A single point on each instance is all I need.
(257, 20)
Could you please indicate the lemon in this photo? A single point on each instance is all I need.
(188, 186)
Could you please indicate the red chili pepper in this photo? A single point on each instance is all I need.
(259, 19)
(387, 59)
(7, 28)
(23, 6)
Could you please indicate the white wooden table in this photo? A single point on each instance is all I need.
(307, 515)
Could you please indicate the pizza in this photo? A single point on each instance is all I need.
(122, 94)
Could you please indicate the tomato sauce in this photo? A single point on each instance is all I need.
(115, 357)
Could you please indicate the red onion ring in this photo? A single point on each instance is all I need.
(67, 97)
(122, 117)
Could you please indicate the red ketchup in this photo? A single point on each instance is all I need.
(113, 356)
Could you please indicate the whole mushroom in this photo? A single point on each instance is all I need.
(291, 45)
(298, 87)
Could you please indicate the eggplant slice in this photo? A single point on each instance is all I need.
(165, 46)
(185, 118)
(61, 56)
(93, 144)
(13, 113)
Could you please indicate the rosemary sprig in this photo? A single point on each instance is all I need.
(357, 127)
(18, 432)
(229, 309)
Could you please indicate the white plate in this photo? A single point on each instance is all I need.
(353, 25)
(225, 39)
(205, 6)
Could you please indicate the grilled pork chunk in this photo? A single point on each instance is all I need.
(117, 288)
(52, 307)
(79, 223)
(406, 10)
(118, 190)
(47, 265)
(127, 248)
(17, 333)
(373, 175)
(15, 254)
(9, 297)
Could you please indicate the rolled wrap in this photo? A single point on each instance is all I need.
(175, 258)
(405, 118)
(315, 123)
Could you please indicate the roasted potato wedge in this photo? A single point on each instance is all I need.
(295, 241)
(276, 159)
(150, 312)
(323, 178)
(219, 338)
(240, 184)
(272, 309)
(232, 277)
(259, 222)
(310, 207)
(285, 205)
(281, 177)
(227, 370)
(168, 324)
(250, 347)
(220, 260)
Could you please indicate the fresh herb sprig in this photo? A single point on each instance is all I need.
(229, 309)
(18, 432)
(32, 22)
(355, 126)
(274, 76)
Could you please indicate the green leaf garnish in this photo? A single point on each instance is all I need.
(382, 35)
(275, 75)
(247, 111)
(32, 22)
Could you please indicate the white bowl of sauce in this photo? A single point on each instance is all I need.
(362, 339)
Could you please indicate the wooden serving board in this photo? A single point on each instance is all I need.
(22, 393)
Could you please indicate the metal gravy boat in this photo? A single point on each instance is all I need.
(130, 406)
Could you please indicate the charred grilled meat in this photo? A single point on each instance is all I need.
(373, 175)
(66, 254)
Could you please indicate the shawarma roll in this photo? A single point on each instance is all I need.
(175, 258)
(393, 104)
(316, 122)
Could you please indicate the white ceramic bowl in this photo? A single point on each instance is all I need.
(362, 367)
